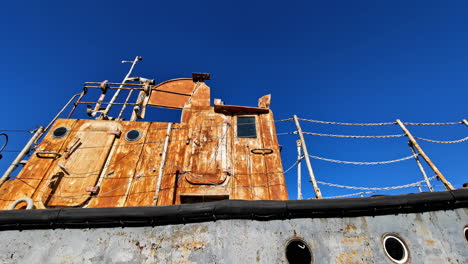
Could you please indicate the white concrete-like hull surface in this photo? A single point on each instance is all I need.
(431, 237)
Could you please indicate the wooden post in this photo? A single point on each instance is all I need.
(446, 183)
(317, 192)
(161, 166)
(299, 176)
(420, 168)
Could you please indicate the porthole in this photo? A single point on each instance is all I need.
(395, 249)
(133, 135)
(60, 132)
(465, 231)
(297, 252)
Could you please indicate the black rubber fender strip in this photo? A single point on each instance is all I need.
(231, 209)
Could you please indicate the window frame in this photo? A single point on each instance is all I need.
(255, 124)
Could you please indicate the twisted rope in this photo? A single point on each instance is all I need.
(346, 195)
(351, 136)
(347, 124)
(432, 124)
(443, 142)
(414, 184)
(363, 163)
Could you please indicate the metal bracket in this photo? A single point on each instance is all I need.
(48, 155)
(262, 151)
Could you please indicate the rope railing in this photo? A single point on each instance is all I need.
(433, 124)
(351, 136)
(443, 142)
(361, 162)
(347, 124)
(414, 184)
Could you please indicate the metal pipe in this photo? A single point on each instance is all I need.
(61, 111)
(128, 84)
(116, 94)
(446, 183)
(38, 133)
(125, 104)
(421, 168)
(161, 166)
(299, 176)
(317, 192)
(75, 104)
(106, 103)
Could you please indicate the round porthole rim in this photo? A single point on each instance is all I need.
(135, 139)
(67, 131)
(406, 252)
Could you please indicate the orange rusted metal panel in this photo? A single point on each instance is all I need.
(172, 94)
(142, 188)
(181, 85)
(69, 178)
(264, 101)
(162, 99)
(31, 176)
(119, 173)
(208, 160)
(173, 171)
(273, 165)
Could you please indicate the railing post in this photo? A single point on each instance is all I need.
(446, 183)
(299, 176)
(161, 166)
(421, 168)
(317, 192)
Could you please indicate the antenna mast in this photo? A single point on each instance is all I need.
(105, 113)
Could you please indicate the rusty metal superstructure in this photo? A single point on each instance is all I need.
(208, 189)
(214, 153)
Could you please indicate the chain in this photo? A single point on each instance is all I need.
(363, 163)
(432, 124)
(348, 124)
(377, 188)
(443, 142)
(350, 136)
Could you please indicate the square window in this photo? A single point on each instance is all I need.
(246, 127)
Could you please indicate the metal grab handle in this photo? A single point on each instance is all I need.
(263, 151)
(46, 155)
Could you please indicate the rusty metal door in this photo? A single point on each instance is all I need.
(208, 160)
(77, 171)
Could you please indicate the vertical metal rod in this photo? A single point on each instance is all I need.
(446, 183)
(161, 166)
(421, 168)
(299, 176)
(38, 133)
(317, 192)
(117, 92)
(75, 104)
(125, 104)
(419, 188)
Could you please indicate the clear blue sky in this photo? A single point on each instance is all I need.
(351, 61)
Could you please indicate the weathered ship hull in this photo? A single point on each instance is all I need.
(336, 231)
